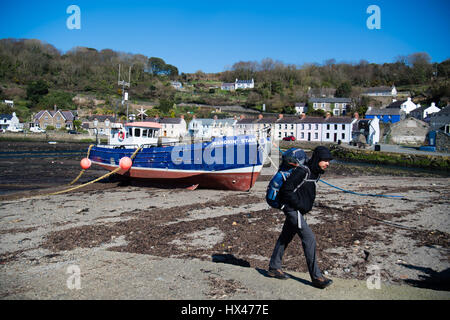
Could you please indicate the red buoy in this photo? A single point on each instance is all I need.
(125, 163)
(85, 163)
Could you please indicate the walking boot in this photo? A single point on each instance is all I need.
(321, 283)
(277, 273)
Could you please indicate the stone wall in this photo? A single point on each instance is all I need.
(47, 136)
(442, 142)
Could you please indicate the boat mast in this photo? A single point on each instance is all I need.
(124, 84)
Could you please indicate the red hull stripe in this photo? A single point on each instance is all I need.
(241, 181)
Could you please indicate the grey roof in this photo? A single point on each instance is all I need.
(378, 89)
(330, 100)
(100, 117)
(383, 112)
(396, 104)
(341, 120)
(5, 116)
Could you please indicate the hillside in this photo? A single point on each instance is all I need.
(37, 76)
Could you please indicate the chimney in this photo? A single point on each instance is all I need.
(409, 98)
(433, 104)
(394, 100)
(215, 117)
(54, 107)
(303, 116)
(182, 116)
(328, 115)
(260, 116)
(194, 117)
(235, 118)
(280, 116)
(356, 115)
(241, 116)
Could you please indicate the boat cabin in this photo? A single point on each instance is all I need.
(136, 133)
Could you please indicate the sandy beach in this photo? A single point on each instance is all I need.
(116, 240)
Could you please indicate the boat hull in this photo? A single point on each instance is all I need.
(236, 166)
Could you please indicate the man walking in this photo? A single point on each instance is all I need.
(297, 194)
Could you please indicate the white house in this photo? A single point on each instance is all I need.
(244, 84)
(381, 92)
(171, 127)
(310, 128)
(10, 122)
(430, 110)
(300, 107)
(208, 128)
(405, 106)
(337, 128)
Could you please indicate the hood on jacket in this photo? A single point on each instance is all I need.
(320, 153)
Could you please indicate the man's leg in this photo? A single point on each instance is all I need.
(309, 247)
(286, 236)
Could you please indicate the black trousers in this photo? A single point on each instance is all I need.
(290, 228)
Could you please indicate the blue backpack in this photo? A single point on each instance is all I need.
(293, 155)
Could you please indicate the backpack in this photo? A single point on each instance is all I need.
(273, 189)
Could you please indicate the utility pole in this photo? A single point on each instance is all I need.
(124, 84)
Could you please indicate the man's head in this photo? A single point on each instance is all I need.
(320, 159)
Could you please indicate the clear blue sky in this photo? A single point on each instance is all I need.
(212, 35)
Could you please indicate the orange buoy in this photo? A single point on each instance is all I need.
(85, 163)
(125, 163)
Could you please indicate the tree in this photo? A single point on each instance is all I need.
(344, 90)
(157, 65)
(36, 90)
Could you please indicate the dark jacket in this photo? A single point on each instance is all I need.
(303, 198)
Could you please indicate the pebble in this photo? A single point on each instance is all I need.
(347, 270)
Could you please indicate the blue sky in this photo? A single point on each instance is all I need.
(212, 35)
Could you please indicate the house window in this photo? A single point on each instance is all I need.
(315, 106)
(285, 126)
(336, 112)
(137, 132)
(292, 126)
(279, 126)
(317, 127)
(316, 136)
(343, 127)
(328, 135)
(309, 126)
(302, 135)
(343, 136)
(279, 134)
(328, 127)
(335, 127)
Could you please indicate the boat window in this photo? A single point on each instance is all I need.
(151, 133)
(130, 132)
(144, 132)
(137, 132)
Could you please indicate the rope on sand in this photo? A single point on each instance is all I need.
(95, 180)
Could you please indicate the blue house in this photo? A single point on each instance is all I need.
(386, 115)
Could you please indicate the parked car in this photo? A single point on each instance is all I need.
(72, 132)
(289, 138)
(15, 130)
(37, 130)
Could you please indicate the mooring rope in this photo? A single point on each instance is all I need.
(82, 170)
(348, 191)
(95, 180)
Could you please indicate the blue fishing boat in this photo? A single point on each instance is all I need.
(228, 162)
